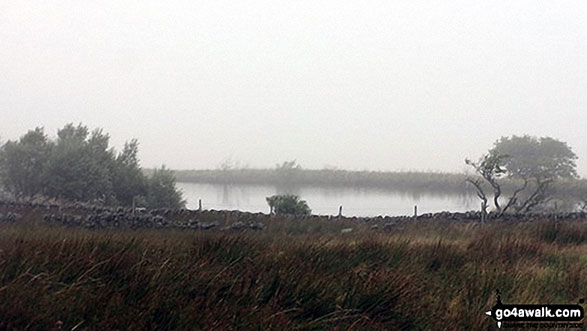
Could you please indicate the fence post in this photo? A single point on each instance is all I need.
(555, 211)
(200, 205)
(415, 211)
(340, 211)
(483, 212)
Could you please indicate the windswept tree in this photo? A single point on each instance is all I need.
(531, 164)
(537, 163)
(490, 168)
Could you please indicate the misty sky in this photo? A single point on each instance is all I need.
(378, 85)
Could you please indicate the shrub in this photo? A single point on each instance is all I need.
(288, 204)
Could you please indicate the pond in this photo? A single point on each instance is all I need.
(326, 200)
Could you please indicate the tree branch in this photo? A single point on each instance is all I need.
(514, 198)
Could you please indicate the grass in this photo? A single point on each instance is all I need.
(295, 275)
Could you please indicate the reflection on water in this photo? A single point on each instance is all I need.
(325, 201)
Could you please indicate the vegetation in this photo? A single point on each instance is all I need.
(162, 192)
(79, 165)
(534, 163)
(298, 275)
(566, 191)
(288, 204)
(417, 182)
(489, 168)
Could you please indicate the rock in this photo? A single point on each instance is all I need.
(208, 225)
(256, 226)
(250, 225)
(237, 226)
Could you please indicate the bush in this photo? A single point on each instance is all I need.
(288, 204)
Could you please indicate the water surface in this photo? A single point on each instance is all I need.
(325, 201)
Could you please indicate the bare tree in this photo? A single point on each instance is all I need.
(478, 184)
(490, 169)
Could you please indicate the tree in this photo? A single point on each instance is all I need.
(129, 183)
(80, 165)
(162, 192)
(23, 163)
(490, 169)
(543, 157)
(288, 204)
(533, 164)
(538, 163)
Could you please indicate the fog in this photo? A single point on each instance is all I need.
(378, 85)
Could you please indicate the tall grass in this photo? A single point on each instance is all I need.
(426, 276)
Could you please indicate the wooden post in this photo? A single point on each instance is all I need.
(483, 212)
(415, 211)
(200, 205)
(555, 211)
(340, 211)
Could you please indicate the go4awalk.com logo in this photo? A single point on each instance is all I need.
(541, 315)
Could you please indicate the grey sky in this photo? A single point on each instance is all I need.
(380, 85)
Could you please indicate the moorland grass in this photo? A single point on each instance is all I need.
(424, 276)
